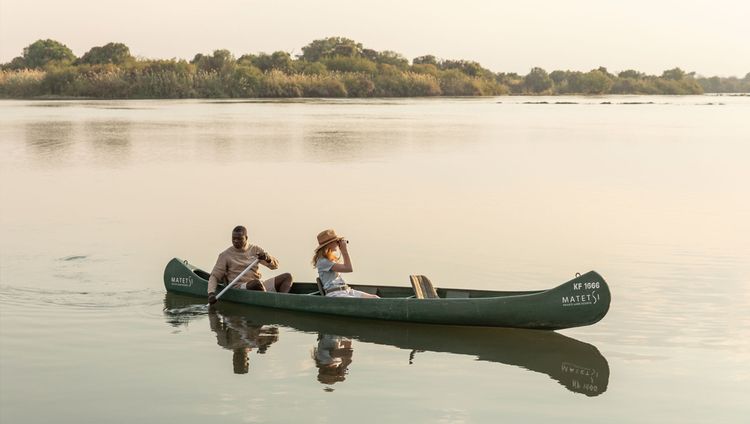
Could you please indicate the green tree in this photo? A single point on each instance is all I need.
(711, 85)
(17, 63)
(330, 47)
(575, 83)
(468, 67)
(511, 80)
(244, 60)
(630, 73)
(41, 52)
(558, 77)
(675, 74)
(245, 81)
(220, 61)
(425, 60)
(604, 71)
(308, 68)
(425, 68)
(392, 58)
(370, 54)
(350, 64)
(537, 81)
(116, 53)
(279, 60)
(595, 82)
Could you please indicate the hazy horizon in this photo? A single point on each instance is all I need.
(702, 36)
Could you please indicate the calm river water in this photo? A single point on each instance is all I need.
(506, 193)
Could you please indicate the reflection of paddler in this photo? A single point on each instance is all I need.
(234, 333)
(332, 357)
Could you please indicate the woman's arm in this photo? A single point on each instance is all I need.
(347, 265)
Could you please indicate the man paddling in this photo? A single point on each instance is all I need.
(236, 258)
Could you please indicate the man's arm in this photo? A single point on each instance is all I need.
(267, 260)
(218, 274)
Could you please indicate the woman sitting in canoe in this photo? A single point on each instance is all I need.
(326, 261)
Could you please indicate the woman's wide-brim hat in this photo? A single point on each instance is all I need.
(327, 236)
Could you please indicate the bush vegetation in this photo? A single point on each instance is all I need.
(330, 67)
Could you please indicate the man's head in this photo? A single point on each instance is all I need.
(239, 237)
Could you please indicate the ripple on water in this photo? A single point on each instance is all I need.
(74, 257)
(36, 298)
(178, 317)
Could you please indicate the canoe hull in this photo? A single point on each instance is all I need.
(581, 301)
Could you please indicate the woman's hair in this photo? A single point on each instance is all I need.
(324, 252)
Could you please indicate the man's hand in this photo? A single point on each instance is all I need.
(263, 256)
(211, 298)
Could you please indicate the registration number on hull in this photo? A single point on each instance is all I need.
(580, 299)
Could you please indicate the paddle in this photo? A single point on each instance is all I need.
(230, 285)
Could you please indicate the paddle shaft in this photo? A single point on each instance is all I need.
(230, 285)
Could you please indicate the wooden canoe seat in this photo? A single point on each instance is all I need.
(422, 287)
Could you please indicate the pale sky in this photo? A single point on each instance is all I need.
(709, 37)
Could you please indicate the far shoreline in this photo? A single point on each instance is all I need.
(51, 98)
(333, 67)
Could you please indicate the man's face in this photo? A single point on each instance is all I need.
(239, 239)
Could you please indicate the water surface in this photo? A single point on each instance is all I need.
(505, 193)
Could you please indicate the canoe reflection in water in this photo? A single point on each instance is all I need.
(239, 336)
(332, 357)
(576, 365)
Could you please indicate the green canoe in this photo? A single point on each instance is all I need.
(581, 301)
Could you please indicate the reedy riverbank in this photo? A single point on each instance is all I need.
(331, 67)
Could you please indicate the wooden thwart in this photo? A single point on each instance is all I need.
(423, 287)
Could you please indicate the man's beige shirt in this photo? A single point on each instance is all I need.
(233, 261)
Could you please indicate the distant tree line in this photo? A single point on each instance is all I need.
(329, 67)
